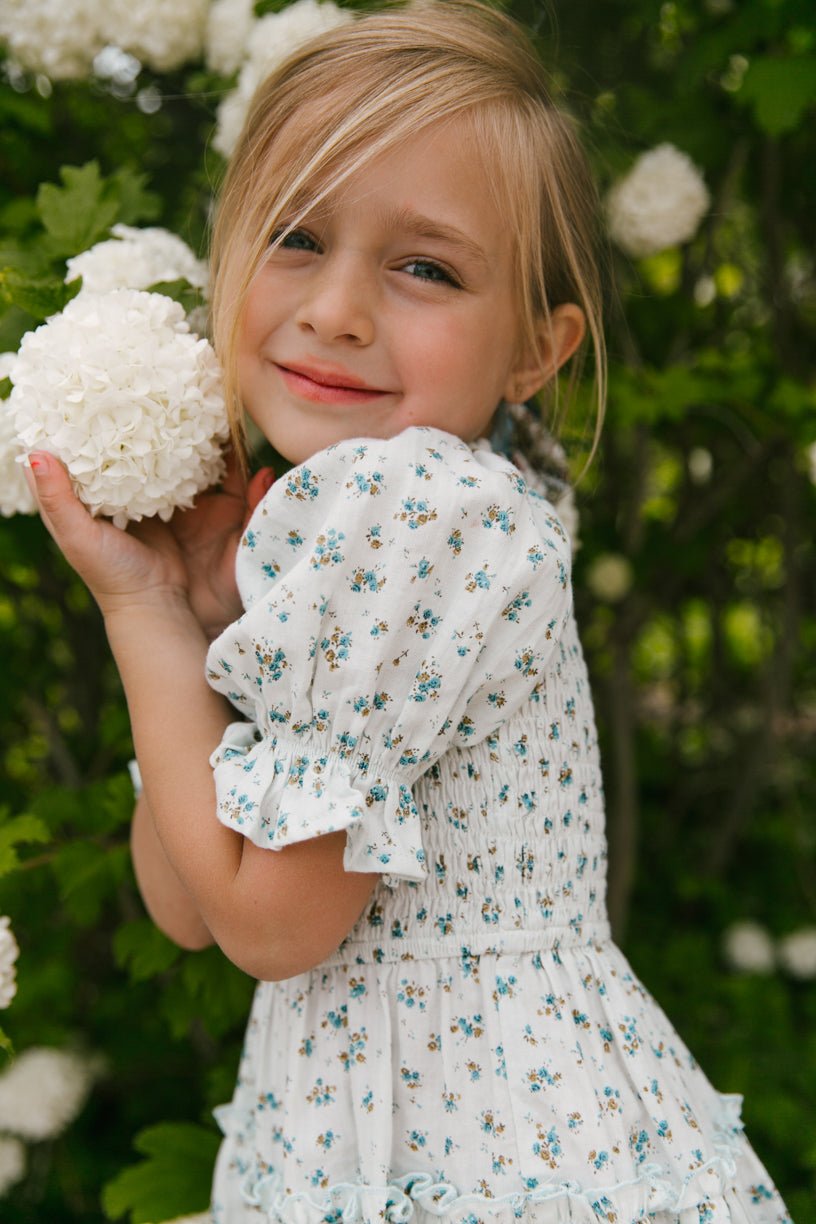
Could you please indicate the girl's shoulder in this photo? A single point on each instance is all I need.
(373, 500)
(421, 462)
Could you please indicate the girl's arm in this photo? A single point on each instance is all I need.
(166, 899)
(273, 913)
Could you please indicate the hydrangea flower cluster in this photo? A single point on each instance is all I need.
(9, 951)
(749, 948)
(56, 37)
(43, 1090)
(119, 389)
(136, 259)
(269, 41)
(163, 36)
(658, 204)
(61, 37)
(12, 1162)
(228, 28)
(15, 497)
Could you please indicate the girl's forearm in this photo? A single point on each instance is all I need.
(177, 721)
(166, 899)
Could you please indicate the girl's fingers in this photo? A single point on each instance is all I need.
(258, 487)
(62, 512)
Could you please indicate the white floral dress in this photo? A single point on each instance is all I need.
(477, 1049)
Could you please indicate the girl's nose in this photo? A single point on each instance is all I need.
(338, 304)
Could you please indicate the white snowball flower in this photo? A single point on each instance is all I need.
(797, 953)
(9, 951)
(163, 36)
(12, 1163)
(15, 497)
(228, 28)
(136, 259)
(610, 577)
(272, 38)
(748, 948)
(42, 1091)
(118, 388)
(56, 37)
(658, 204)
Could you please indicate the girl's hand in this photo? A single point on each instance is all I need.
(207, 538)
(192, 557)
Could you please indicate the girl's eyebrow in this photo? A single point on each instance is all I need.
(407, 220)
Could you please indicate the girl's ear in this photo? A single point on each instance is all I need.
(557, 339)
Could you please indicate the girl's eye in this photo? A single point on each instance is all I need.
(427, 270)
(295, 240)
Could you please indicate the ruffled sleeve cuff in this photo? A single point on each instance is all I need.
(277, 793)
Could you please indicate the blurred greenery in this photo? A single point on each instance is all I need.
(703, 660)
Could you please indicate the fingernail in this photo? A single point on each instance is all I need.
(38, 462)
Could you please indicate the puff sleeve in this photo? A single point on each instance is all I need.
(402, 597)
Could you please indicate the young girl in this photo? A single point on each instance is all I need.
(402, 837)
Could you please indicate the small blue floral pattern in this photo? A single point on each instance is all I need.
(477, 1049)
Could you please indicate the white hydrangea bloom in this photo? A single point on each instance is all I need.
(15, 497)
(12, 1163)
(163, 36)
(118, 388)
(660, 202)
(797, 953)
(228, 27)
(748, 948)
(272, 38)
(9, 951)
(136, 259)
(610, 577)
(42, 1091)
(56, 37)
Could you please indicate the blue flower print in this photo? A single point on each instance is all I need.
(416, 513)
(327, 549)
(501, 517)
(336, 648)
(422, 621)
(371, 483)
(302, 485)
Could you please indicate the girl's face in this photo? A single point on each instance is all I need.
(393, 304)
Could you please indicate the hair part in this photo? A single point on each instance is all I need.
(359, 90)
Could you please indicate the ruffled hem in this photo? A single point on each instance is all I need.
(276, 794)
(654, 1192)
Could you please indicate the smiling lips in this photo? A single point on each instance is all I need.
(327, 385)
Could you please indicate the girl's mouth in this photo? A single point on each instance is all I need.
(327, 385)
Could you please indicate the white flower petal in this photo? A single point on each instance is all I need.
(271, 40)
(163, 36)
(58, 38)
(748, 948)
(136, 259)
(659, 203)
(147, 436)
(42, 1091)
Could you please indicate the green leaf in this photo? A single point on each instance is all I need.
(180, 291)
(143, 950)
(781, 90)
(16, 831)
(80, 212)
(40, 296)
(88, 875)
(135, 202)
(173, 1181)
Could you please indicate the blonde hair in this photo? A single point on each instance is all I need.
(359, 90)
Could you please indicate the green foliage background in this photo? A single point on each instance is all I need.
(705, 672)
